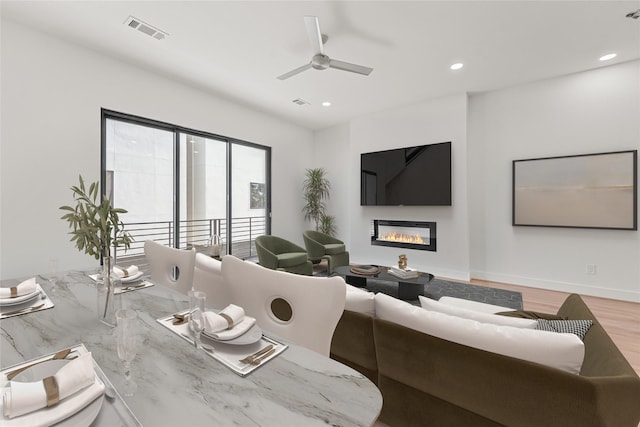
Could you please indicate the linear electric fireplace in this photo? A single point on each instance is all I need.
(420, 235)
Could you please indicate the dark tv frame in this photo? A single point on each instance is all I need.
(364, 172)
(589, 188)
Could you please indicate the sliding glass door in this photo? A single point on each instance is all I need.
(249, 201)
(185, 188)
(203, 191)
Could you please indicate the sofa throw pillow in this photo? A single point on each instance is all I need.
(577, 327)
(432, 305)
(473, 305)
(562, 351)
(360, 301)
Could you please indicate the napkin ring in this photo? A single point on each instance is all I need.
(228, 319)
(51, 388)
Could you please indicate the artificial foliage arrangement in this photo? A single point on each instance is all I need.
(96, 226)
(316, 189)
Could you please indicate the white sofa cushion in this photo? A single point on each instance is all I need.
(360, 301)
(473, 305)
(480, 316)
(562, 351)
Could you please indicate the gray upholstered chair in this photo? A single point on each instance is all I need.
(277, 253)
(322, 246)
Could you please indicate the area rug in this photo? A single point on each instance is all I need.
(438, 288)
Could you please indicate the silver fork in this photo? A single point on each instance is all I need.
(250, 358)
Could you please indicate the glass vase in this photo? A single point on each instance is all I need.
(106, 293)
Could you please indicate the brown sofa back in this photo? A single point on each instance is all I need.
(428, 381)
(353, 344)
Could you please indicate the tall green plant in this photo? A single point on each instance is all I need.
(96, 227)
(315, 189)
(328, 225)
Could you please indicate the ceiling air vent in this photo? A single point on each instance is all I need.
(300, 101)
(143, 27)
(635, 14)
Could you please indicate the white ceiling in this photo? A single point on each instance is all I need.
(236, 49)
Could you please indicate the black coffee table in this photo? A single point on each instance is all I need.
(408, 289)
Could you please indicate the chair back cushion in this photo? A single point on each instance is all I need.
(166, 263)
(316, 302)
(269, 247)
(318, 244)
(207, 277)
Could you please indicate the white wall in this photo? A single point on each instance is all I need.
(332, 152)
(430, 122)
(52, 93)
(589, 112)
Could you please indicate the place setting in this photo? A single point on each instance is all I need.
(132, 279)
(228, 335)
(26, 297)
(66, 388)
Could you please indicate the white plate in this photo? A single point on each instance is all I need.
(85, 416)
(20, 299)
(132, 278)
(254, 334)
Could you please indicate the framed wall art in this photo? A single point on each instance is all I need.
(581, 191)
(257, 195)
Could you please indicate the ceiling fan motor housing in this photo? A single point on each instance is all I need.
(320, 61)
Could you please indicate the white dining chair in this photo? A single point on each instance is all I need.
(302, 309)
(170, 266)
(207, 277)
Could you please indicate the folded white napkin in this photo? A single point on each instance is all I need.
(24, 288)
(126, 272)
(228, 324)
(21, 398)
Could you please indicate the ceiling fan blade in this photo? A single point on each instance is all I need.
(347, 66)
(294, 72)
(313, 31)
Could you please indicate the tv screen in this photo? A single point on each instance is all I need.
(411, 176)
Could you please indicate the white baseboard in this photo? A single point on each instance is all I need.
(578, 288)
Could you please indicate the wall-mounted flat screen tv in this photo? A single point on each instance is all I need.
(411, 176)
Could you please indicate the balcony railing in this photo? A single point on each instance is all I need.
(197, 232)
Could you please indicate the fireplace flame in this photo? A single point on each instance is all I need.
(403, 238)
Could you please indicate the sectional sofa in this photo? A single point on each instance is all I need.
(432, 370)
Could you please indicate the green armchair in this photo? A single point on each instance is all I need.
(279, 254)
(322, 246)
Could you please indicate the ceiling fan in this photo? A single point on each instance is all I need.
(320, 61)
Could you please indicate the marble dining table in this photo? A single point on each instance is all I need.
(179, 385)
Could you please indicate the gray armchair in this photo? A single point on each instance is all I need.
(277, 253)
(322, 246)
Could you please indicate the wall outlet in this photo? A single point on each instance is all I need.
(590, 269)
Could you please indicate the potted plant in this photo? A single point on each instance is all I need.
(328, 225)
(96, 228)
(316, 189)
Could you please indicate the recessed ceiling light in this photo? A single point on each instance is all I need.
(457, 66)
(608, 56)
(326, 104)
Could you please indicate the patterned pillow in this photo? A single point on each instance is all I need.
(578, 327)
